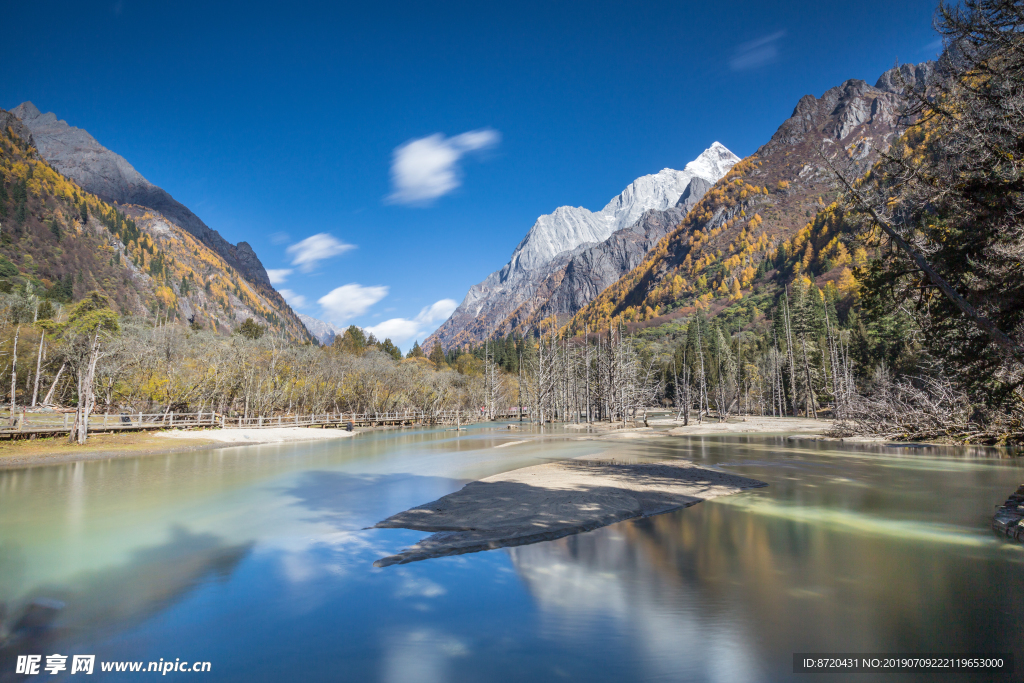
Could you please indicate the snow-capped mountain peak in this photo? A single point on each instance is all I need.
(567, 227)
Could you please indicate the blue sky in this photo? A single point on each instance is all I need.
(390, 155)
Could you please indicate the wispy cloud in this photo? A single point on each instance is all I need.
(427, 168)
(278, 276)
(934, 47)
(756, 53)
(280, 238)
(349, 301)
(310, 251)
(403, 330)
(294, 300)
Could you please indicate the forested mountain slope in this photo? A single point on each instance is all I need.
(60, 242)
(761, 214)
(108, 175)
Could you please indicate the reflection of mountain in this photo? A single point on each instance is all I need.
(114, 599)
(718, 592)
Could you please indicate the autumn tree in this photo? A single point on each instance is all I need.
(89, 326)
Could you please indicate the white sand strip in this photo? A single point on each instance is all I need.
(748, 425)
(545, 502)
(255, 436)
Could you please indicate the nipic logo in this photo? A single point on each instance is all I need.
(55, 663)
(85, 664)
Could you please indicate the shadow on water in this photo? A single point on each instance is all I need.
(98, 603)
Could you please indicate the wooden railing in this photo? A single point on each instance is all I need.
(28, 422)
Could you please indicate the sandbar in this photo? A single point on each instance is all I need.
(257, 436)
(545, 502)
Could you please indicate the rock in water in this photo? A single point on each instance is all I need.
(1009, 518)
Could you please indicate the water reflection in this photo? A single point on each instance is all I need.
(94, 604)
(259, 560)
(729, 589)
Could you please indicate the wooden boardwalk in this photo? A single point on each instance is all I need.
(31, 424)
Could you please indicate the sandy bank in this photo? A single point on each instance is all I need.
(256, 436)
(106, 446)
(747, 425)
(545, 502)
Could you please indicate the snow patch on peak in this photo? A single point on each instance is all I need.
(713, 163)
(568, 227)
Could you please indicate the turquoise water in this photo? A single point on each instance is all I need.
(257, 559)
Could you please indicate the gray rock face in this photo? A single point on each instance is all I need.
(693, 193)
(591, 269)
(854, 105)
(9, 120)
(905, 77)
(77, 154)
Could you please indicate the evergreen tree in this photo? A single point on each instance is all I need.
(251, 329)
(437, 355)
(389, 348)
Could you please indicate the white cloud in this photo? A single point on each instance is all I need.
(278, 276)
(756, 53)
(398, 330)
(280, 238)
(349, 301)
(402, 330)
(310, 251)
(427, 168)
(294, 300)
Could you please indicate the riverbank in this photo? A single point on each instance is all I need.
(57, 450)
(247, 437)
(749, 424)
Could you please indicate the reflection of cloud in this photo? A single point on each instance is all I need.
(610, 575)
(756, 53)
(401, 330)
(427, 168)
(348, 301)
(418, 587)
(421, 656)
(315, 248)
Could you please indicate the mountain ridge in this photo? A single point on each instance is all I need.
(61, 241)
(97, 169)
(548, 246)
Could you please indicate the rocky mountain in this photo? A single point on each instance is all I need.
(763, 214)
(323, 331)
(570, 240)
(96, 169)
(60, 241)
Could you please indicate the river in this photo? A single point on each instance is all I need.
(257, 559)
